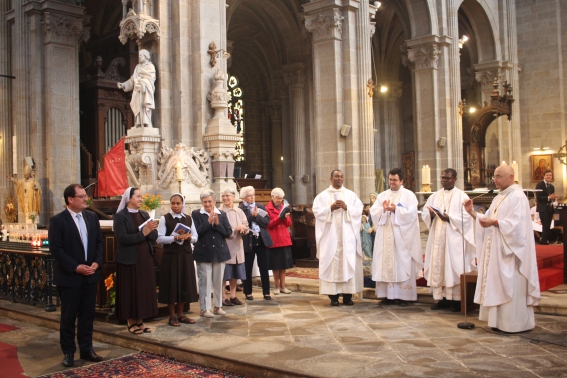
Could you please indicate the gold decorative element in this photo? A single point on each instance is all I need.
(10, 208)
(216, 54)
(425, 188)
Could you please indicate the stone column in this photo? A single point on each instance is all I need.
(454, 120)
(275, 111)
(423, 61)
(393, 138)
(5, 104)
(364, 32)
(324, 20)
(296, 81)
(62, 27)
(220, 137)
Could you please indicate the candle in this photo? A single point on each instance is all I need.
(179, 172)
(503, 162)
(426, 175)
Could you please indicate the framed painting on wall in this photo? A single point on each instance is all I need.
(539, 164)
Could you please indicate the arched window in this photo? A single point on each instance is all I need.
(114, 128)
(236, 114)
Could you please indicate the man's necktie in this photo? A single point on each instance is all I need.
(84, 236)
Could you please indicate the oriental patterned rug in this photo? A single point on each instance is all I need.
(142, 364)
(311, 273)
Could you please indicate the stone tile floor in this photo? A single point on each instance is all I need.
(302, 334)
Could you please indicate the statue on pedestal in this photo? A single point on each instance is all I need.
(28, 192)
(142, 85)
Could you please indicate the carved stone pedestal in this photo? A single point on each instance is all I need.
(144, 143)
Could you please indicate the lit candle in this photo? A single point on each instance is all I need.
(426, 175)
(503, 162)
(179, 172)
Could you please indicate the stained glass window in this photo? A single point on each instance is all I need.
(236, 114)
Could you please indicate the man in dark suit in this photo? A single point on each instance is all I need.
(76, 244)
(257, 242)
(544, 204)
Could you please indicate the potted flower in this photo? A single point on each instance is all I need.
(150, 203)
(32, 215)
(111, 295)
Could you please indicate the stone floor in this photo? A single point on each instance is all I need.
(301, 335)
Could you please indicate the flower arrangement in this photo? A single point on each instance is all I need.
(150, 202)
(32, 215)
(89, 201)
(111, 290)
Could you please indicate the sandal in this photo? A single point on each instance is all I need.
(173, 322)
(144, 329)
(137, 331)
(249, 297)
(235, 301)
(185, 320)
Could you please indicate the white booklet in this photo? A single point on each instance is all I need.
(262, 212)
(143, 224)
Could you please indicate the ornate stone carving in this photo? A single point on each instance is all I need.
(219, 97)
(194, 165)
(486, 78)
(325, 25)
(424, 57)
(112, 70)
(136, 25)
(61, 29)
(216, 54)
(295, 78)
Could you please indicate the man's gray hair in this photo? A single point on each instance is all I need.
(278, 192)
(228, 190)
(208, 193)
(245, 190)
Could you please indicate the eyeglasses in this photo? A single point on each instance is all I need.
(498, 177)
(84, 196)
(250, 196)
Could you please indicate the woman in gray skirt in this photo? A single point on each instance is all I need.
(234, 269)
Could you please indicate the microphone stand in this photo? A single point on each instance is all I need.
(466, 324)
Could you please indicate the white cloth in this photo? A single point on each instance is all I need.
(124, 200)
(337, 234)
(210, 276)
(406, 291)
(444, 250)
(397, 247)
(504, 252)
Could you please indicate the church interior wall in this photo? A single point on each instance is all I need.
(542, 46)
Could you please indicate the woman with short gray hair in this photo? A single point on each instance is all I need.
(210, 252)
(234, 268)
(280, 251)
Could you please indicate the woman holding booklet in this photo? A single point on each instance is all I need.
(280, 251)
(135, 281)
(177, 283)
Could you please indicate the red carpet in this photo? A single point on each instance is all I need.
(11, 367)
(142, 365)
(6, 327)
(550, 265)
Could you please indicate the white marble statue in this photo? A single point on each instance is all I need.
(142, 85)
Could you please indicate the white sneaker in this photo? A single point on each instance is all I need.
(286, 291)
(219, 311)
(276, 291)
(207, 314)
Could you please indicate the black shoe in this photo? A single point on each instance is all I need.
(402, 303)
(456, 306)
(347, 299)
(442, 304)
(334, 303)
(90, 356)
(69, 360)
(386, 301)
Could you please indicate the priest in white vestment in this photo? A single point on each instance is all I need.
(508, 285)
(338, 215)
(451, 229)
(398, 259)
